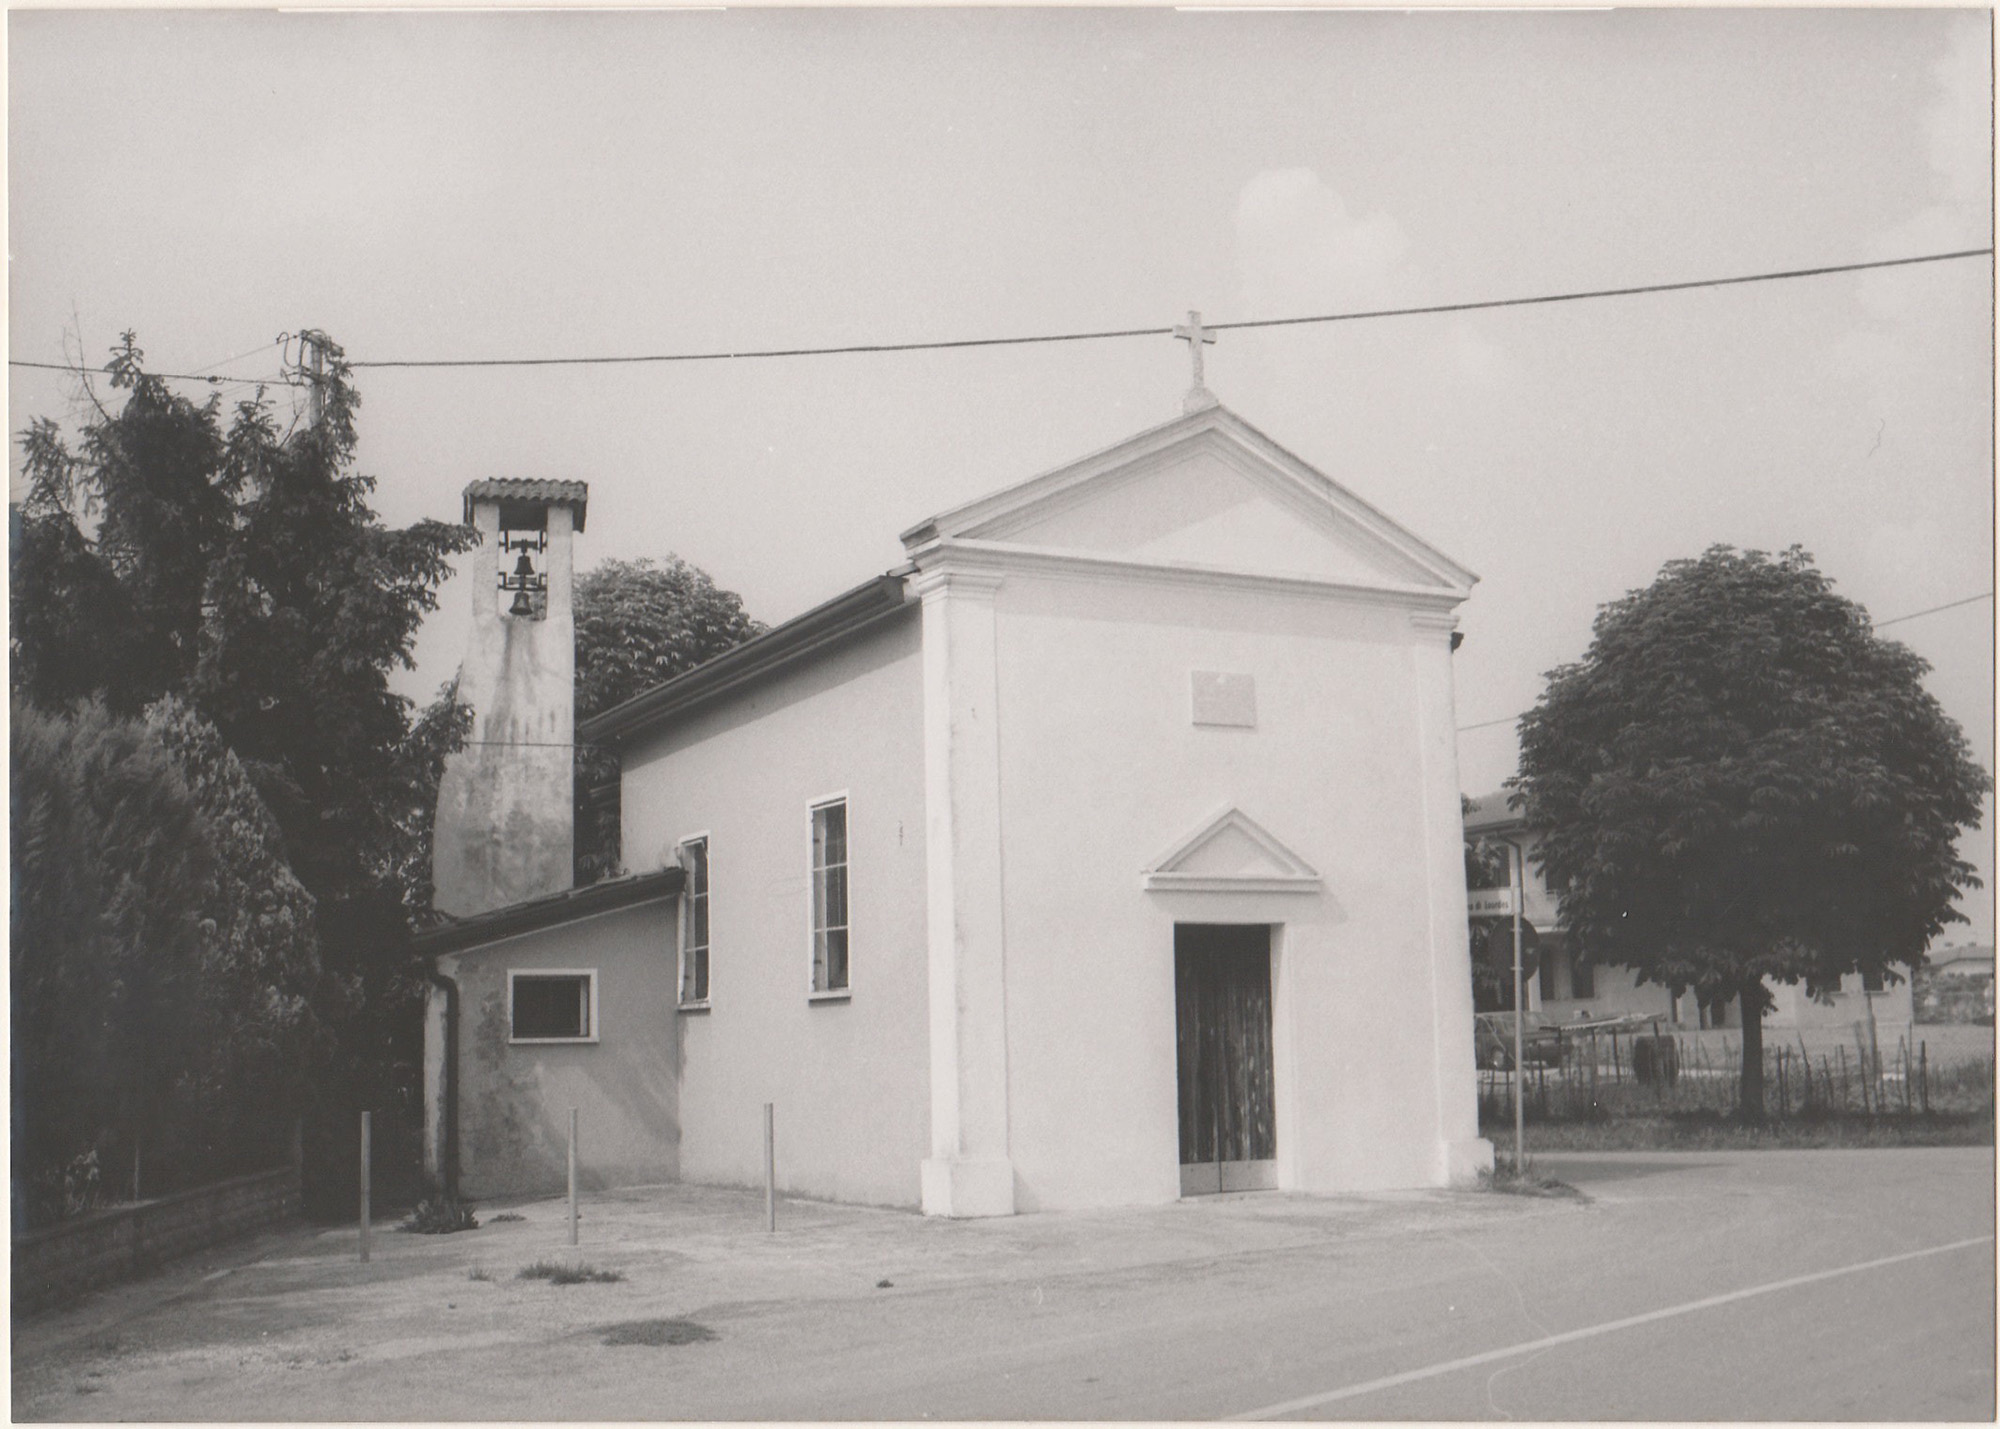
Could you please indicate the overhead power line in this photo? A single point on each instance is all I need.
(953, 344)
(1879, 625)
(1948, 605)
(970, 342)
(77, 371)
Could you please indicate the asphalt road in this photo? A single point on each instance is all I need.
(1737, 1285)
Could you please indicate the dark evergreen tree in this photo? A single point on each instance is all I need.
(112, 870)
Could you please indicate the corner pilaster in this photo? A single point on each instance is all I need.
(969, 1172)
(1461, 1153)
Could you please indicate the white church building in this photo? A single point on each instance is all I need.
(1105, 851)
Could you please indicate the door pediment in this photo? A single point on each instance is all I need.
(1231, 853)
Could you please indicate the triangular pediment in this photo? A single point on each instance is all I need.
(1232, 853)
(1205, 492)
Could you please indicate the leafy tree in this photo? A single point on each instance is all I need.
(242, 569)
(132, 594)
(1741, 780)
(260, 987)
(638, 624)
(440, 730)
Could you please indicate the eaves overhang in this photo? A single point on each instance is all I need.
(779, 648)
(552, 911)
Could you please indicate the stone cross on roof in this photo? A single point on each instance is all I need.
(1195, 335)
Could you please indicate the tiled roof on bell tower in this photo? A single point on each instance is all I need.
(574, 494)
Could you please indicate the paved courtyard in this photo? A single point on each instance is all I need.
(1742, 1285)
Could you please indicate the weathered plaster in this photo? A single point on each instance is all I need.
(505, 822)
(515, 1098)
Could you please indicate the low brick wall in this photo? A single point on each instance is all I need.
(61, 1262)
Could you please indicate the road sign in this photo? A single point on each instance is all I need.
(1500, 948)
(1490, 902)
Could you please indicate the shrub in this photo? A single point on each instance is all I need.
(441, 1215)
(556, 1273)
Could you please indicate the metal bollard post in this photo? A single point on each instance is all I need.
(366, 1136)
(770, 1172)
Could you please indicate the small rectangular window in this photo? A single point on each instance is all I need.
(694, 923)
(1871, 982)
(552, 1006)
(829, 896)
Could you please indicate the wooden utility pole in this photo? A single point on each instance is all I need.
(312, 366)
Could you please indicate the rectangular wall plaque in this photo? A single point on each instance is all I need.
(1226, 700)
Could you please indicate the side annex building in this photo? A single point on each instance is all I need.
(1107, 850)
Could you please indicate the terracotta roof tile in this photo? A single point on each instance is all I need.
(550, 493)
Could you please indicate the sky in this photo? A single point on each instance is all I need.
(443, 185)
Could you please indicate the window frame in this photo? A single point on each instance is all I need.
(1588, 970)
(815, 993)
(591, 1032)
(685, 924)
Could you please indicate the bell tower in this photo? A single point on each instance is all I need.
(505, 827)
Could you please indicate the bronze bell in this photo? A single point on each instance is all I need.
(524, 575)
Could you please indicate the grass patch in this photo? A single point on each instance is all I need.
(658, 1332)
(479, 1272)
(505, 1216)
(556, 1273)
(1718, 1131)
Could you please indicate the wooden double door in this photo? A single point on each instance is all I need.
(1222, 1003)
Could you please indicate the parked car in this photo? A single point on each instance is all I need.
(1493, 1041)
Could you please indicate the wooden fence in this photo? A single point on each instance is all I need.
(1604, 1077)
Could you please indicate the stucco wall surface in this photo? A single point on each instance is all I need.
(849, 1078)
(504, 831)
(1103, 769)
(515, 1098)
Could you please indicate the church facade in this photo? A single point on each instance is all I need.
(1106, 851)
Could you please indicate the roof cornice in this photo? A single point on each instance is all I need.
(778, 648)
(549, 912)
(1004, 558)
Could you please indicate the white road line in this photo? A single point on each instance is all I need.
(1313, 1401)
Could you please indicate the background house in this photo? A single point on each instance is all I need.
(1569, 988)
(1955, 985)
